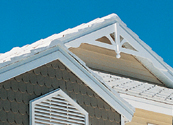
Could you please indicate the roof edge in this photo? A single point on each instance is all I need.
(61, 53)
(71, 34)
(149, 105)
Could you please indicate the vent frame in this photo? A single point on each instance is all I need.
(35, 103)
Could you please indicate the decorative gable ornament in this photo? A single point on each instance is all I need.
(57, 107)
(112, 37)
(118, 37)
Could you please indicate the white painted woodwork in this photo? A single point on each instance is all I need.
(125, 41)
(57, 108)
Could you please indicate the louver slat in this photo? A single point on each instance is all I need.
(59, 111)
(58, 114)
(60, 104)
(54, 122)
(55, 118)
(57, 108)
(56, 100)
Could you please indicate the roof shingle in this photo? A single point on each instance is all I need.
(137, 88)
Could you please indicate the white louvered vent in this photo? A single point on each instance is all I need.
(57, 108)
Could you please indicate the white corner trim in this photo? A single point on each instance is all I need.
(122, 120)
(149, 105)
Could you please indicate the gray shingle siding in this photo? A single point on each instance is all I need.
(16, 93)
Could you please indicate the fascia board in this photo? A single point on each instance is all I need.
(94, 27)
(52, 41)
(89, 37)
(28, 64)
(149, 105)
(59, 53)
(156, 60)
(164, 75)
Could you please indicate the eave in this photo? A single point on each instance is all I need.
(61, 53)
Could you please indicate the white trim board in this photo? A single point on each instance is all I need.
(149, 105)
(61, 53)
(142, 53)
(163, 72)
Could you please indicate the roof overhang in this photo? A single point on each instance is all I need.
(21, 60)
(61, 53)
(125, 41)
(148, 105)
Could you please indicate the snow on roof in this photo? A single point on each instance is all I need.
(137, 88)
(17, 53)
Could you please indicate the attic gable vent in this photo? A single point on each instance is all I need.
(57, 108)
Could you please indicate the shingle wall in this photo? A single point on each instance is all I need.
(16, 93)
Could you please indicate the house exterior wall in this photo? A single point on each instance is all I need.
(143, 117)
(16, 93)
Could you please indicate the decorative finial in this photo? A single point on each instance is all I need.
(118, 55)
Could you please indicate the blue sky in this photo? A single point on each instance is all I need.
(26, 21)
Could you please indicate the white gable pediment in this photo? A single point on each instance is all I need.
(116, 38)
(119, 38)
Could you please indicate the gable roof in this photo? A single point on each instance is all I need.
(70, 38)
(122, 40)
(61, 53)
(20, 60)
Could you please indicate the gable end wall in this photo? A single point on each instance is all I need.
(16, 93)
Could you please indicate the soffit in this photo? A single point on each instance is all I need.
(105, 59)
